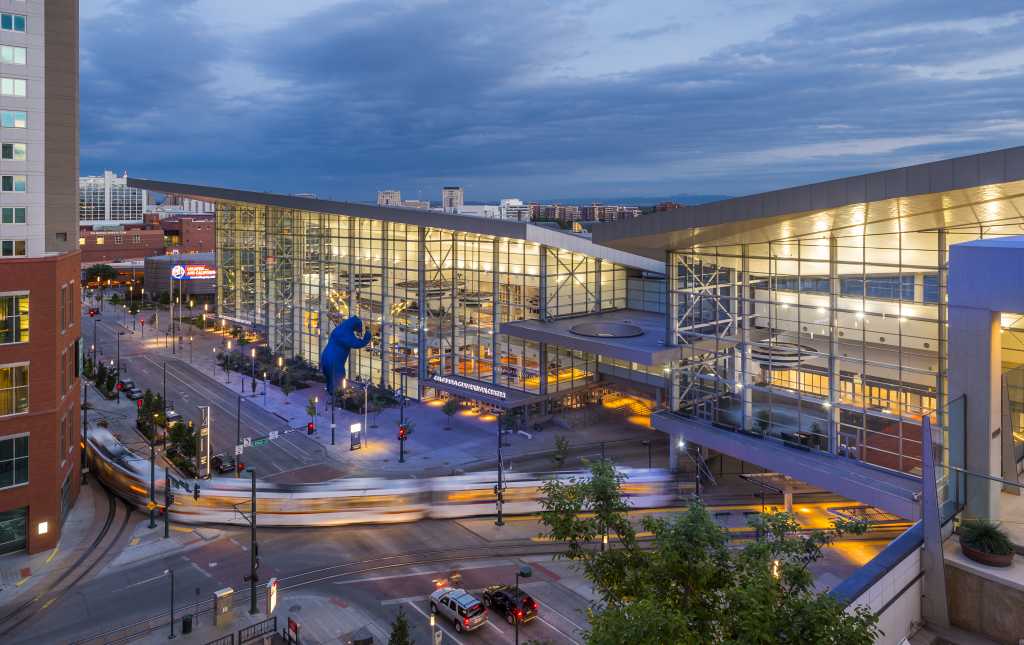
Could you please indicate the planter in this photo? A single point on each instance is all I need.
(988, 559)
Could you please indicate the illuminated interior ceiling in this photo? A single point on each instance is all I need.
(982, 190)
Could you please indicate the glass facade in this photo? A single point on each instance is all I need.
(433, 298)
(832, 341)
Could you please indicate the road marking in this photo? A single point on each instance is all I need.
(53, 553)
(488, 565)
(495, 628)
(133, 542)
(142, 582)
(571, 639)
(22, 581)
(48, 603)
(564, 617)
(439, 625)
(181, 529)
(400, 601)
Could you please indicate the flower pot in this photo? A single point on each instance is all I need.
(988, 559)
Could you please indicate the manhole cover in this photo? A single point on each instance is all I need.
(607, 330)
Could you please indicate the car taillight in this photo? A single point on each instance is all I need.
(465, 621)
(519, 613)
(535, 605)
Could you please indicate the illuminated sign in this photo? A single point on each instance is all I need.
(472, 387)
(193, 272)
(271, 596)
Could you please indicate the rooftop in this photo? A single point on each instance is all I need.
(414, 216)
(973, 189)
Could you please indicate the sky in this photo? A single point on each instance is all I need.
(542, 99)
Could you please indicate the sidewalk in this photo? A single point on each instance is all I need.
(431, 449)
(22, 574)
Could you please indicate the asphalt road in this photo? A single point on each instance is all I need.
(291, 454)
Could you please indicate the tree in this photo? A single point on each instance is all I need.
(693, 586)
(561, 452)
(183, 436)
(449, 409)
(311, 408)
(100, 273)
(400, 630)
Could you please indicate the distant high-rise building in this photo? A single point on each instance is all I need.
(666, 206)
(40, 270)
(389, 198)
(452, 199)
(416, 203)
(108, 198)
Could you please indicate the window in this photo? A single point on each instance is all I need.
(13, 389)
(63, 372)
(13, 183)
(13, 214)
(64, 307)
(12, 55)
(63, 439)
(13, 151)
(13, 461)
(12, 22)
(883, 287)
(11, 248)
(14, 318)
(136, 238)
(71, 304)
(119, 239)
(12, 86)
(13, 119)
(99, 241)
(931, 288)
(81, 241)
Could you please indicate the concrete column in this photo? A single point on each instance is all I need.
(495, 309)
(787, 498)
(834, 289)
(597, 286)
(674, 451)
(421, 316)
(975, 358)
(351, 224)
(746, 310)
(385, 307)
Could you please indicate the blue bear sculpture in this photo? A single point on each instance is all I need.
(342, 340)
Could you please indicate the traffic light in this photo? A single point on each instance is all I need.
(403, 433)
(195, 493)
(92, 313)
(118, 386)
(310, 428)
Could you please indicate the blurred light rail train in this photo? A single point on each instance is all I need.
(343, 501)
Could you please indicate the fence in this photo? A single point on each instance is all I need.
(223, 640)
(252, 632)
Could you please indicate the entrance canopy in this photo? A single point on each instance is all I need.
(482, 391)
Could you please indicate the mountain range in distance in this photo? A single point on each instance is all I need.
(687, 199)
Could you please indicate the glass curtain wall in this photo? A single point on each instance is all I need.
(832, 342)
(433, 299)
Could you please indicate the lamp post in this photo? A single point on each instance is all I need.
(117, 370)
(264, 389)
(227, 373)
(190, 349)
(171, 636)
(524, 572)
(254, 560)
(238, 435)
(252, 353)
(152, 473)
(499, 489)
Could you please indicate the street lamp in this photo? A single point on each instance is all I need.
(252, 353)
(524, 572)
(264, 389)
(189, 349)
(227, 374)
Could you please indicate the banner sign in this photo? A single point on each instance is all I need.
(193, 272)
(472, 387)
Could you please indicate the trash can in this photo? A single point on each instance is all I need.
(186, 624)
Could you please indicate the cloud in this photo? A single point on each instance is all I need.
(533, 99)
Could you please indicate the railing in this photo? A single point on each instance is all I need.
(252, 632)
(223, 640)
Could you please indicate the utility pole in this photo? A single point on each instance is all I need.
(238, 435)
(332, 409)
(254, 556)
(171, 572)
(499, 489)
(168, 500)
(117, 386)
(152, 478)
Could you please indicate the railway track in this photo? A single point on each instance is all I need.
(506, 549)
(79, 569)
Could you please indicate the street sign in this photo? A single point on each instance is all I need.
(260, 442)
(238, 451)
(273, 435)
(356, 436)
(247, 442)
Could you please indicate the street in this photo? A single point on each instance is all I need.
(188, 388)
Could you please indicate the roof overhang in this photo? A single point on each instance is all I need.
(648, 348)
(972, 189)
(413, 216)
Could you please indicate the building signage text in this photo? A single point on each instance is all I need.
(472, 387)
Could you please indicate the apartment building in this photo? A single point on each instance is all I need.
(39, 280)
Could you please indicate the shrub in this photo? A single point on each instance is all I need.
(985, 536)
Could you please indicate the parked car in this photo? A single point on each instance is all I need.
(127, 384)
(502, 600)
(459, 606)
(135, 393)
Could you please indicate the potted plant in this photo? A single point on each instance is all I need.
(984, 542)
